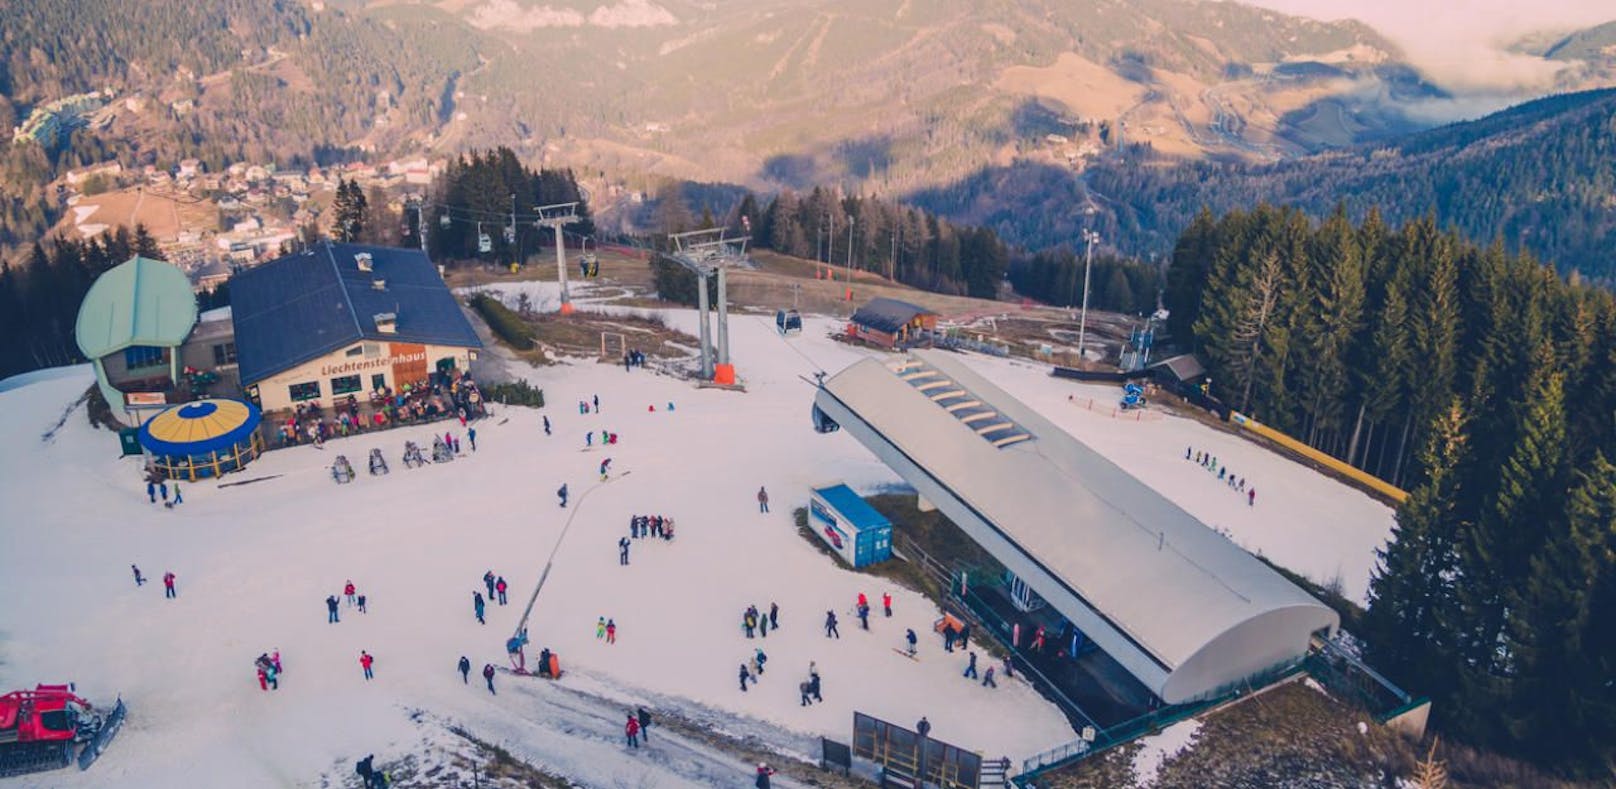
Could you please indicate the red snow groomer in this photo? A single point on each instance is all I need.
(49, 727)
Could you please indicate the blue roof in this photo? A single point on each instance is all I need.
(858, 512)
(196, 429)
(305, 305)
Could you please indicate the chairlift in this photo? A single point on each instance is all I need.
(484, 243)
(510, 235)
(443, 220)
(788, 322)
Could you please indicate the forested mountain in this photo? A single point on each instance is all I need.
(1540, 177)
(1488, 386)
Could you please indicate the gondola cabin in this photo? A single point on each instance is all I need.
(788, 322)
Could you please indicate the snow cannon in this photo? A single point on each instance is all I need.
(1133, 396)
(50, 727)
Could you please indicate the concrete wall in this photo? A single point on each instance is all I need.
(395, 362)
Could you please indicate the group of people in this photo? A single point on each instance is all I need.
(590, 405)
(757, 663)
(496, 591)
(650, 526)
(157, 485)
(442, 395)
(632, 358)
(351, 594)
(464, 667)
(606, 629)
(753, 621)
(1210, 462)
(606, 437)
(269, 670)
(169, 579)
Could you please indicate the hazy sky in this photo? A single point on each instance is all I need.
(1458, 41)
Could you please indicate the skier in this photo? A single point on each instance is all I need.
(604, 466)
(600, 628)
(139, 579)
(886, 603)
(168, 585)
(348, 590)
(589, 438)
(151, 491)
(361, 604)
(1187, 451)
(970, 670)
(645, 723)
(1251, 497)
(632, 731)
(562, 492)
(763, 773)
(830, 625)
(330, 609)
(488, 676)
(477, 605)
(597, 404)
(763, 499)
(622, 551)
(909, 636)
(365, 660)
(611, 631)
(864, 616)
(774, 616)
(759, 659)
(744, 677)
(488, 581)
(547, 425)
(987, 679)
(500, 586)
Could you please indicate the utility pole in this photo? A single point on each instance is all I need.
(1089, 237)
(420, 223)
(513, 230)
(851, 221)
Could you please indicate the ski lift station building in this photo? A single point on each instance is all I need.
(1183, 610)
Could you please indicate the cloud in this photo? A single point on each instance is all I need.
(510, 15)
(1460, 44)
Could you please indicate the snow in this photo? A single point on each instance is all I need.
(256, 561)
(1159, 748)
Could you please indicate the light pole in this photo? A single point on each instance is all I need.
(1090, 238)
(851, 221)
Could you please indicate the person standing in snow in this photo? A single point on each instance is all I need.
(547, 425)
(759, 659)
(263, 679)
(774, 616)
(365, 661)
(348, 590)
(151, 491)
(477, 605)
(830, 625)
(168, 585)
(139, 579)
(645, 724)
(987, 679)
(964, 639)
(562, 492)
(611, 631)
(864, 616)
(361, 604)
(488, 581)
(909, 636)
(763, 499)
(589, 438)
(600, 627)
(597, 403)
(745, 675)
(631, 730)
(500, 586)
(275, 659)
(949, 634)
(813, 681)
(178, 499)
(331, 609)
(605, 465)
(970, 670)
(162, 489)
(886, 603)
(802, 690)
(622, 551)
(763, 773)
(471, 433)
(488, 675)
(763, 626)
(1251, 497)
(748, 622)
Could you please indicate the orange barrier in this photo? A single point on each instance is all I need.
(1368, 480)
(724, 374)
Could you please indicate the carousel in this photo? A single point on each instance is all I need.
(203, 439)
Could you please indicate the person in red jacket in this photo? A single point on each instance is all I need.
(348, 589)
(365, 660)
(886, 602)
(632, 731)
(500, 586)
(168, 586)
(862, 600)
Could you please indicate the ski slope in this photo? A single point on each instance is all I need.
(255, 562)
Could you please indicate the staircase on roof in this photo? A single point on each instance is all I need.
(993, 427)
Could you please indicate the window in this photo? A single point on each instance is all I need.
(345, 385)
(354, 351)
(373, 350)
(224, 354)
(304, 391)
(136, 357)
(378, 382)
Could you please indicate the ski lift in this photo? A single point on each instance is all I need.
(484, 243)
(788, 322)
(443, 220)
(510, 235)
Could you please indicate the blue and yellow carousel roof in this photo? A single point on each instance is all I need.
(200, 428)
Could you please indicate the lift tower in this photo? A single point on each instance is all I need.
(558, 216)
(709, 254)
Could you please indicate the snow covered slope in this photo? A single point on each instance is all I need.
(255, 561)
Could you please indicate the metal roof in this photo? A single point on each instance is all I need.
(858, 511)
(887, 315)
(305, 305)
(138, 302)
(196, 429)
(1180, 606)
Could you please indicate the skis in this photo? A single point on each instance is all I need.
(906, 654)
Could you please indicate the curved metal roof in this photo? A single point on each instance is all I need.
(199, 428)
(137, 302)
(1180, 606)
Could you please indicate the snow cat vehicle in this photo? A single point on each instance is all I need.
(50, 727)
